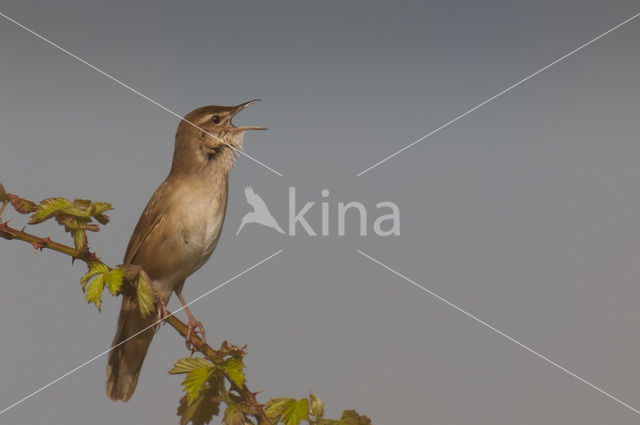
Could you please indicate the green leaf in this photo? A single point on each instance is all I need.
(233, 415)
(114, 280)
(79, 208)
(351, 417)
(144, 295)
(102, 218)
(94, 292)
(206, 403)
(95, 268)
(233, 369)
(97, 211)
(187, 364)
(69, 222)
(201, 410)
(48, 208)
(85, 204)
(276, 407)
(76, 212)
(316, 406)
(99, 207)
(195, 380)
(296, 412)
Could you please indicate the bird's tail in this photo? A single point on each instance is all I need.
(125, 360)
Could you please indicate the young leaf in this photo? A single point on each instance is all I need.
(94, 269)
(48, 208)
(296, 412)
(276, 407)
(195, 380)
(101, 218)
(233, 369)
(187, 364)
(114, 280)
(233, 415)
(21, 205)
(85, 204)
(351, 417)
(98, 209)
(316, 406)
(201, 410)
(69, 222)
(144, 295)
(79, 208)
(94, 292)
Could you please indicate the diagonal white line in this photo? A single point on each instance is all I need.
(136, 334)
(499, 332)
(95, 68)
(497, 95)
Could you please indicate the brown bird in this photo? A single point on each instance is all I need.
(177, 232)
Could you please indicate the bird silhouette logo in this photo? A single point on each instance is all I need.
(260, 213)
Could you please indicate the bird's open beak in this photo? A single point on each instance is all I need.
(242, 106)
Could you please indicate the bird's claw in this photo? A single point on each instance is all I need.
(161, 314)
(195, 329)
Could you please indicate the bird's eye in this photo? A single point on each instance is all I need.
(215, 119)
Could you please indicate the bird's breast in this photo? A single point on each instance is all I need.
(203, 217)
(186, 233)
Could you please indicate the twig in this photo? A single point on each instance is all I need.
(217, 356)
(8, 232)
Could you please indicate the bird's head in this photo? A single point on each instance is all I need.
(207, 134)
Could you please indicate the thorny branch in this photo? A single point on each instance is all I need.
(202, 398)
(256, 409)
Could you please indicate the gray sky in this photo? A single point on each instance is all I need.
(523, 213)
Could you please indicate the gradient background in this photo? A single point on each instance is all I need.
(525, 213)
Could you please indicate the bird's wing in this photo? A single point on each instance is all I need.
(151, 216)
(254, 199)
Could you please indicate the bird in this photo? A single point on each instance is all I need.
(260, 213)
(176, 233)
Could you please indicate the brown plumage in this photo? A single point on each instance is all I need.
(177, 231)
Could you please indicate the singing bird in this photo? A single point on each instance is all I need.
(177, 232)
(260, 213)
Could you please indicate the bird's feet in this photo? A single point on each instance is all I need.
(161, 313)
(195, 329)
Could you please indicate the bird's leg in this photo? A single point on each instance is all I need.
(194, 327)
(161, 313)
